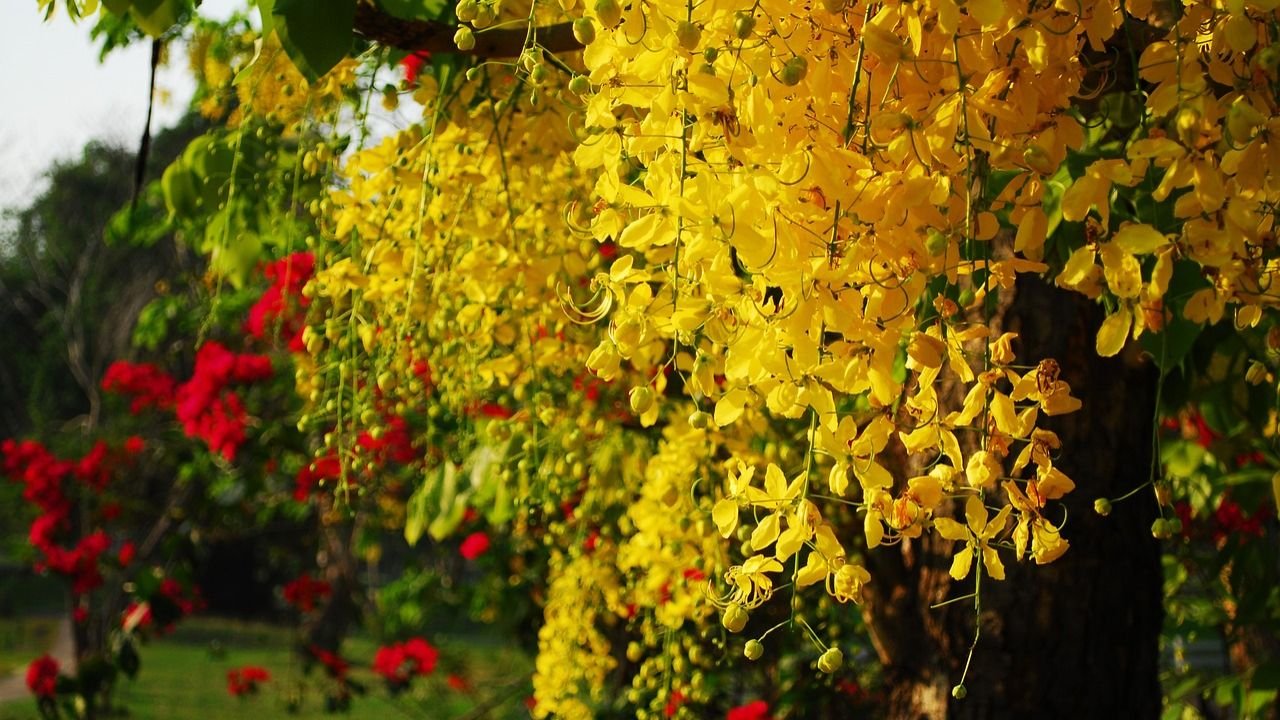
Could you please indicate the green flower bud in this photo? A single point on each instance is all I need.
(1102, 506)
(464, 38)
(734, 618)
(831, 660)
(641, 399)
(584, 31)
(753, 650)
(609, 12)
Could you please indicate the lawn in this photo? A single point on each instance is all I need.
(183, 677)
(24, 638)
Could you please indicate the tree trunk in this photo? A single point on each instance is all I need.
(1076, 638)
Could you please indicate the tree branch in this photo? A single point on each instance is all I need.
(374, 24)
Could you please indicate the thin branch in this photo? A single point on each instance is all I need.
(434, 37)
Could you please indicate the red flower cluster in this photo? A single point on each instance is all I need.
(394, 445)
(44, 477)
(309, 477)
(283, 305)
(756, 710)
(475, 545)
(332, 662)
(147, 384)
(205, 407)
(1230, 520)
(303, 591)
(42, 676)
(243, 681)
(400, 662)
(187, 602)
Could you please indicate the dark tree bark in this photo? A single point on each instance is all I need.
(1076, 638)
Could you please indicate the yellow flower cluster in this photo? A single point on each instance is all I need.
(777, 231)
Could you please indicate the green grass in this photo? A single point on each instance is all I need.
(24, 639)
(183, 677)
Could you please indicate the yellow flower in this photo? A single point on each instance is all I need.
(977, 536)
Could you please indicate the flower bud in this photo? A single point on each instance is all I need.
(734, 618)
(584, 31)
(1102, 506)
(753, 650)
(1256, 374)
(464, 38)
(609, 12)
(831, 660)
(700, 420)
(959, 692)
(641, 399)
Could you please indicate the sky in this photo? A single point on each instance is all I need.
(57, 96)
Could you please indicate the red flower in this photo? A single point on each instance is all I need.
(302, 592)
(423, 655)
(333, 663)
(127, 553)
(475, 545)
(146, 383)
(245, 680)
(412, 64)
(42, 676)
(458, 683)
(388, 662)
(134, 445)
(756, 710)
(677, 699)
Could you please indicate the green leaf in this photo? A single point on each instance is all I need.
(117, 7)
(415, 521)
(416, 9)
(265, 8)
(156, 16)
(315, 33)
(453, 504)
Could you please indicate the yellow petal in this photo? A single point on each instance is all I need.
(1139, 239)
(765, 533)
(1114, 331)
(961, 563)
(725, 515)
(991, 559)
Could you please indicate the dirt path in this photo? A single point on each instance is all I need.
(14, 685)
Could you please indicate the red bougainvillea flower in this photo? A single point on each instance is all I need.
(146, 383)
(400, 662)
(412, 64)
(458, 683)
(475, 545)
(245, 680)
(134, 445)
(42, 676)
(282, 306)
(673, 704)
(127, 553)
(303, 591)
(332, 662)
(756, 710)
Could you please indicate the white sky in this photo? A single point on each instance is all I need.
(57, 96)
